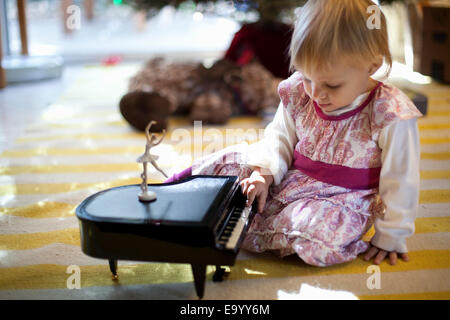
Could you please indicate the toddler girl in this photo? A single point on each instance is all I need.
(342, 152)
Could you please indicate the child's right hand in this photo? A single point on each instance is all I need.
(256, 186)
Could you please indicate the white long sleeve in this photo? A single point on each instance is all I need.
(275, 151)
(399, 185)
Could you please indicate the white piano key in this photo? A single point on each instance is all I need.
(240, 225)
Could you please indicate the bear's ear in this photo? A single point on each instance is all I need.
(139, 108)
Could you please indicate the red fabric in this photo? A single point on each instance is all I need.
(352, 178)
(180, 175)
(269, 44)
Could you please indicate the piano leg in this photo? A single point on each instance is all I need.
(113, 268)
(199, 272)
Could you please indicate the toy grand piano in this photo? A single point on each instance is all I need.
(200, 220)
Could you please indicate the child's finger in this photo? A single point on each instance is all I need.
(261, 202)
(244, 187)
(393, 258)
(371, 253)
(246, 184)
(251, 194)
(380, 257)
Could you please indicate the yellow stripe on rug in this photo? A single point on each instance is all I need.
(432, 113)
(85, 136)
(26, 241)
(292, 266)
(435, 174)
(179, 147)
(432, 224)
(434, 196)
(55, 276)
(42, 151)
(54, 188)
(42, 209)
(434, 140)
(251, 128)
(105, 167)
(434, 126)
(435, 156)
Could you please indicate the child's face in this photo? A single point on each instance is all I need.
(338, 87)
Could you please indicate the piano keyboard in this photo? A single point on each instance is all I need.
(234, 228)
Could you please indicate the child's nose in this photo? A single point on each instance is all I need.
(316, 92)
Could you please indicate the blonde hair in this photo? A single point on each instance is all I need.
(339, 29)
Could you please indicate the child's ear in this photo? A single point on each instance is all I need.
(375, 65)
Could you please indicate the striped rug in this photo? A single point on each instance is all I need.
(81, 145)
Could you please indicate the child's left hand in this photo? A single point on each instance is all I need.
(380, 255)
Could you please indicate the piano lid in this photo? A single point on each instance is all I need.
(189, 202)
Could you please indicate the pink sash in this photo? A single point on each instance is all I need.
(351, 178)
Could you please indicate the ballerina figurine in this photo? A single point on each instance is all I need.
(147, 157)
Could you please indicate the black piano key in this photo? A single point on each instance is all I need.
(222, 243)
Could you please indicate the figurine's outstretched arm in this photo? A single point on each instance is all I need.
(147, 130)
(163, 135)
(157, 168)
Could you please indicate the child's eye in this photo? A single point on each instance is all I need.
(333, 87)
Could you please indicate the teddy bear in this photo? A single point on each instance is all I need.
(212, 95)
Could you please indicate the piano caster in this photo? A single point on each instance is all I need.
(219, 274)
(113, 268)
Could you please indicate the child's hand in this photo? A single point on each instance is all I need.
(257, 185)
(380, 254)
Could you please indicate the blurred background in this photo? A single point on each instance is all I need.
(45, 43)
(90, 31)
(108, 27)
